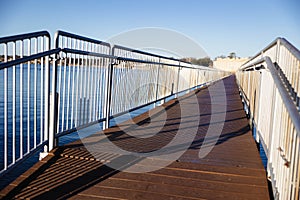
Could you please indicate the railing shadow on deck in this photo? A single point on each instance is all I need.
(69, 186)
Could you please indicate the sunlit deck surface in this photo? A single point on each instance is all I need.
(232, 170)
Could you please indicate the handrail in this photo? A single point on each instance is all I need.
(274, 42)
(279, 40)
(87, 53)
(276, 120)
(286, 58)
(291, 107)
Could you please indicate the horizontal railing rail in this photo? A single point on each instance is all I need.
(48, 93)
(28, 58)
(77, 37)
(275, 118)
(25, 36)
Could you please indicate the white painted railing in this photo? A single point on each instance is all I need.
(24, 96)
(269, 84)
(48, 93)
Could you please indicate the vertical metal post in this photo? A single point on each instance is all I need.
(157, 84)
(21, 101)
(178, 76)
(28, 97)
(47, 94)
(259, 103)
(69, 86)
(41, 92)
(5, 110)
(271, 148)
(277, 51)
(53, 102)
(108, 90)
(14, 108)
(35, 96)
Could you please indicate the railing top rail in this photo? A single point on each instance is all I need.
(74, 36)
(150, 62)
(251, 65)
(147, 53)
(290, 47)
(24, 36)
(283, 42)
(68, 50)
(192, 66)
(274, 42)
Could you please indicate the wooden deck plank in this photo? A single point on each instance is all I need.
(232, 170)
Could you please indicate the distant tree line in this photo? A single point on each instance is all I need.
(199, 61)
(231, 55)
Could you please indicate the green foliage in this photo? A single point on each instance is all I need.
(200, 61)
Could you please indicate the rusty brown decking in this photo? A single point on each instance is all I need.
(232, 170)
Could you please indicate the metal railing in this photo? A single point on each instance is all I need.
(141, 78)
(286, 58)
(24, 96)
(47, 93)
(81, 73)
(266, 90)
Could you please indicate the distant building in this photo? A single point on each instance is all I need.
(231, 63)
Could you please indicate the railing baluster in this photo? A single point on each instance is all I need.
(28, 97)
(35, 94)
(63, 95)
(47, 95)
(5, 111)
(21, 101)
(77, 86)
(69, 82)
(73, 85)
(14, 108)
(81, 88)
(42, 94)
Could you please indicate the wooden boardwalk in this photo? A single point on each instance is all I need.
(232, 170)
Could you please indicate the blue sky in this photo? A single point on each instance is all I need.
(219, 26)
